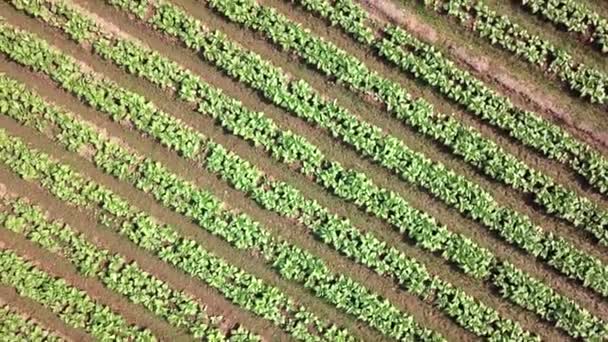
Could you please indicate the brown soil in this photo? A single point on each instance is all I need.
(148, 40)
(279, 227)
(46, 319)
(600, 6)
(61, 268)
(495, 71)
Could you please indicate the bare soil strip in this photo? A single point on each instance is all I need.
(502, 193)
(136, 32)
(61, 268)
(84, 222)
(172, 105)
(30, 308)
(251, 263)
(507, 74)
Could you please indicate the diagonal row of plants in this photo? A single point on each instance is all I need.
(72, 305)
(477, 257)
(290, 261)
(164, 241)
(555, 198)
(425, 63)
(500, 30)
(164, 68)
(16, 327)
(115, 272)
(354, 186)
(299, 98)
(172, 191)
(287, 201)
(574, 16)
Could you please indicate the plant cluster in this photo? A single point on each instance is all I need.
(345, 14)
(566, 258)
(500, 30)
(16, 327)
(252, 125)
(356, 187)
(575, 16)
(116, 273)
(209, 213)
(455, 190)
(287, 201)
(163, 241)
(426, 63)
(72, 305)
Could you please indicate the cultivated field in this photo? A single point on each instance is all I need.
(317, 170)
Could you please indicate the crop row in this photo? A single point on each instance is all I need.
(15, 327)
(291, 149)
(589, 83)
(356, 186)
(131, 55)
(72, 305)
(152, 57)
(369, 140)
(427, 64)
(344, 13)
(115, 272)
(575, 16)
(243, 289)
(287, 201)
(242, 232)
(469, 198)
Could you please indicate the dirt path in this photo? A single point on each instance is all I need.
(48, 320)
(549, 105)
(207, 20)
(169, 104)
(84, 222)
(61, 268)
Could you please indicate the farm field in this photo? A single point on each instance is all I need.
(312, 170)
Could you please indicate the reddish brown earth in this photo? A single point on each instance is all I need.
(494, 72)
(387, 10)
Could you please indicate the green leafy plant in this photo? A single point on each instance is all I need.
(125, 278)
(15, 327)
(73, 306)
